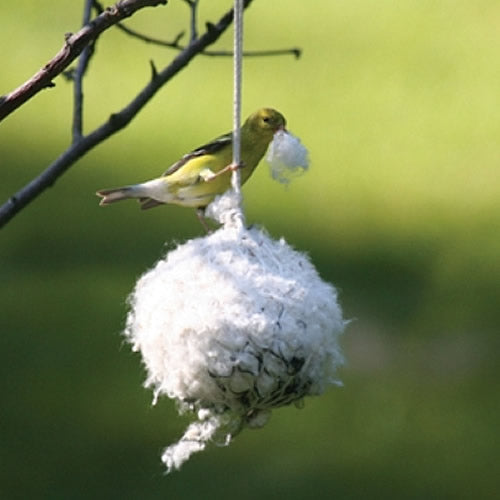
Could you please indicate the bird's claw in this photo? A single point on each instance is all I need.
(232, 167)
(235, 166)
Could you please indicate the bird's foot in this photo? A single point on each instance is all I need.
(229, 168)
(200, 213)
(235, 166)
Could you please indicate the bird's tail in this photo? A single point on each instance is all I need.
(113, 195)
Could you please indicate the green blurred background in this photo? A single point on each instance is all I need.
(398, 103)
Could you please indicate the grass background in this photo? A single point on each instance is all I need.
(398, 105)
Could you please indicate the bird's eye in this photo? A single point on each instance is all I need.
(266, 119)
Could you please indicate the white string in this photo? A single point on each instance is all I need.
(238, 56)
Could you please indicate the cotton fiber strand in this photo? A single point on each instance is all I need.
(230, 326)
(287, 157)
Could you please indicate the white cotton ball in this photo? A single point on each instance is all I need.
(232, 325)
(226, 209)
(287, 157)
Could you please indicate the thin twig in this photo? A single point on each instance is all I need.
(193, 5)
(116, 122)
(73, 46)
(155, 41)
(81, 68)
(174, 44)
(145, 38)
(295, 51)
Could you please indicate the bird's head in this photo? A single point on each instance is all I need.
(266, 121)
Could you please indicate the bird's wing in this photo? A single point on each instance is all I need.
(209, 148)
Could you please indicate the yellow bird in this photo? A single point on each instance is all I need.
(199, 176)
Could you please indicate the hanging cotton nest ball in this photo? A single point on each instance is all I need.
(287, 157)
(231, 326)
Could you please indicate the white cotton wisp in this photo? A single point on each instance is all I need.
(230, 326)
(287, 157)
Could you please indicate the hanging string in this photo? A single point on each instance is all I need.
(238, 56)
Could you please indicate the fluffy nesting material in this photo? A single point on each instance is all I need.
(232, 325)
(287, 157)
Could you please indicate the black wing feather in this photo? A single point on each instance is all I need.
(209, 148)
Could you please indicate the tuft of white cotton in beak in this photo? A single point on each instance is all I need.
(230, 326)
(287, 157)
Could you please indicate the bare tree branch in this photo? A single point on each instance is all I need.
(81, 68)
(155, 41)
(193, 4)
(295, 51)
(116, 121)
(73, 46)
(174, 44)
